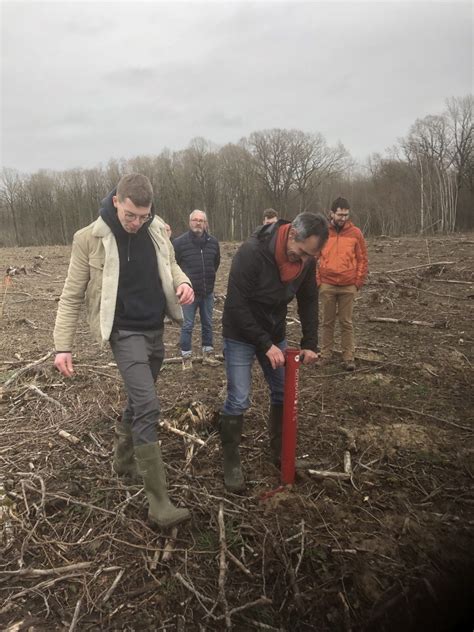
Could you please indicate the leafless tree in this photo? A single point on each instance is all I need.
(460, 123)
(424, 183)
(428, 148)
(238, 192)
(11, 193)
(274, 163)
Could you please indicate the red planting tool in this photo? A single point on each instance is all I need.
(290, 417)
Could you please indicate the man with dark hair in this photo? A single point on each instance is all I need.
(136, 187)
(341, 272)
(123, 268)
(198, 254)
(273, 266)
(270, 216)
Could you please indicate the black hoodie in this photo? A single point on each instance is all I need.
(140, 298)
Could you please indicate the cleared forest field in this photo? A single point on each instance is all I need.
(390, 549)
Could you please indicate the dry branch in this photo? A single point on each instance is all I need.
(342, 476)
(347, 462)
(36, 271)
(169, 546)
(26, 368)
(40, 572)
(294, 585)
(418, 289)
(108, 594)
(27, 321)
(424, 265)
(406, 321)
(181, 433)
(238, 563)
(179, 360)
(262, 601)
(347, 618)
(46, 584)
(453, 281)
(223, 566)
(422, 414)
(261, 626)
(190, 587)
(73, 501)
(69, 437)
(301, 555)
(49, 399)
(75, 617)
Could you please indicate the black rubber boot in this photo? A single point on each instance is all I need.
(124, 463)
(275, 423)
(161, 510)
(230, 427)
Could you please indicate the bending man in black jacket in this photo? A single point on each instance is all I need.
(273, 266)
(198, 255)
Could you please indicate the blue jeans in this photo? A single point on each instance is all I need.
(239, 358)
(205, 305)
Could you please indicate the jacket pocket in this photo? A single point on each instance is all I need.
(96, 263)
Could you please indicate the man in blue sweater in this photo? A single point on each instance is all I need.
(198, 255)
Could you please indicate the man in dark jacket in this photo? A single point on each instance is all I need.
(273, 266)
(198, 255)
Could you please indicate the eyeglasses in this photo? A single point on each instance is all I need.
(131, 217)
(198, 221)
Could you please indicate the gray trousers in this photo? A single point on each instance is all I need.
(139, 356)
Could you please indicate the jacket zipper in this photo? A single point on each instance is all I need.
(203, 273)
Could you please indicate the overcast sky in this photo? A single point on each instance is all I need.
(83, 82)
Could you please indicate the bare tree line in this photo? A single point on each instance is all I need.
(424, 184)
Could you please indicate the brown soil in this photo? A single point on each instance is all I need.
(392, 549)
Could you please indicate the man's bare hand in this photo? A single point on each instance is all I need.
(276, 357)
(185, 294)
(63, 363)
(308, 357)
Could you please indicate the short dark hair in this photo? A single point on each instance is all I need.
(309, 224)
(137, 188)
(269, 213)
(340, 202)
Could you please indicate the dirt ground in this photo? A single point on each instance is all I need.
(389, 549)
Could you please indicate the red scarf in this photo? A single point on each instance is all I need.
(288, 271)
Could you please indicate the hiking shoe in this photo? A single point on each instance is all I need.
(349, 365)
(187, 363)
(209, 359)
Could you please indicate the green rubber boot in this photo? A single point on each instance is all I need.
(275, 422)
(230, 427)
(161, 510)
(124, 464)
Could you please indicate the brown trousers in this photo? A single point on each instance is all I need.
(337, 299)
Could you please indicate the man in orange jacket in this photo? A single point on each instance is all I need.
(342, 271)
